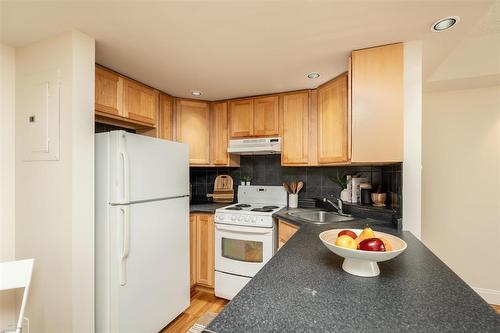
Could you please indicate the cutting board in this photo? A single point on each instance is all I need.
(223, 189)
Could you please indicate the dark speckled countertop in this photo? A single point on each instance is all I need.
(304, 289)
(209, 207)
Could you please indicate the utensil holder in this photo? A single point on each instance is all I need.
(293, 200)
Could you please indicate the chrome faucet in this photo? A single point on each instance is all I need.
(338, 206)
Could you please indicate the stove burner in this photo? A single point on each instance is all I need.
(243, 205)
(263, 210)
(234, 208)
(270, 207)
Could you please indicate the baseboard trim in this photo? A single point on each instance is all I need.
(489, 295)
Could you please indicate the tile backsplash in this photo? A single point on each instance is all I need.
(267, 170)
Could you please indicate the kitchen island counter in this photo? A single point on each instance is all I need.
(304, 289)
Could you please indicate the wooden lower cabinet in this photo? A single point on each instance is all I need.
(192, 249)
(202, 250)
(286, 231)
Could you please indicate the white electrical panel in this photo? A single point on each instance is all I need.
(39, 105)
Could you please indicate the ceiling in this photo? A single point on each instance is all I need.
(238, 48)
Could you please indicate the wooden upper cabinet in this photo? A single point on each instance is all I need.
(241, 118)
(332, 121)
(205, 251)
(139, 102)
(265, 116)
(219, 134)
(294, 115)
(193, 128)
(108, 92)
(377, 104)
(165, 117)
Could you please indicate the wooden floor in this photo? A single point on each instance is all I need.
(201, 302)
(496, 307)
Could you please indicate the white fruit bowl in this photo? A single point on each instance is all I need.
(359, 262)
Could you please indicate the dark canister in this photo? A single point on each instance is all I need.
(366, 196)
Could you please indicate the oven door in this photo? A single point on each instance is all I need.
(242, 250)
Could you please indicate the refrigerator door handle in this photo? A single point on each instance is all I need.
(125, 244)
(126, 177)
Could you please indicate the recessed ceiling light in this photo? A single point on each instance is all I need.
(313, 75)
(196, 93)
(445, 23)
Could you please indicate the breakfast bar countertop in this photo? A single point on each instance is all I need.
(304, 289)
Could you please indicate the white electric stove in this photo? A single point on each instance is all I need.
(245, 237)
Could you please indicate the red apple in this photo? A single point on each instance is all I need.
(372, 244)
(349, 233)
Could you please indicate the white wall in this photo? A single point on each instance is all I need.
(461, 179)
(55, 199)
(7, 174)
(412, 160)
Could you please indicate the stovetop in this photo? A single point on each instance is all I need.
(252, 208)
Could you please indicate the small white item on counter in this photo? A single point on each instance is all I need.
(356, 191)
(349, 188)
(293, 200)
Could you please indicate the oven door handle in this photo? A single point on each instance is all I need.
(244, 230)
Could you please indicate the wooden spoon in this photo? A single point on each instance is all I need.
(293, 187)
(300, 185)
(287, 188)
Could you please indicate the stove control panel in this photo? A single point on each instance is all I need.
(244, 219)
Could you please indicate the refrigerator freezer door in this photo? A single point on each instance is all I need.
(148, 266)
(144, 168)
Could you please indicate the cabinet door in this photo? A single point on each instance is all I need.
(332, 121)
(219, 134)
(205, 252)
(241, 118)
(193, 128)
(108, 92)
(286, 231)
(165, 121)
(140, 102)
(377, 104)
(192, 249)
(265, 116)
(295, 124)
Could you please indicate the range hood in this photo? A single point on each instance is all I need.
(257, 146)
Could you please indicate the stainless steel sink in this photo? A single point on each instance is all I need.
(320, 217)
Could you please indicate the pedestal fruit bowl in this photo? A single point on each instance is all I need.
(359, 262)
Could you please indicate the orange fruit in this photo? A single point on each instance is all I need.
(387, 244)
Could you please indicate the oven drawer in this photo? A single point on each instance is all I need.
(243, 250)
(228, 285)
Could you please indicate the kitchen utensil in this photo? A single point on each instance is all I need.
(378, 199)
(358, 262)
(293, 186)
(287, 188)
(223, 189)
(300, 185)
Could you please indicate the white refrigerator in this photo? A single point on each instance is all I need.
(142, 235)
